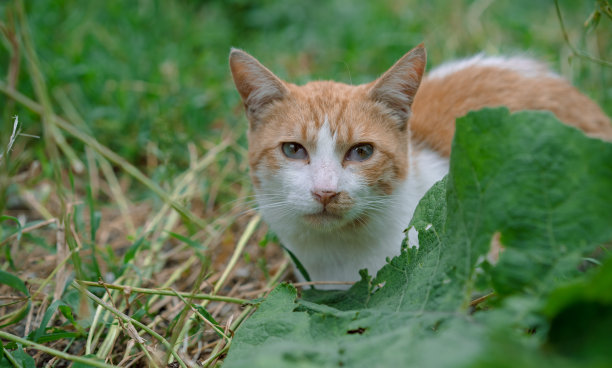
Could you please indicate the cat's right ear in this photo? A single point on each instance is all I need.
(257, 85)
(398, 86)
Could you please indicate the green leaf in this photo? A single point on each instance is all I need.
(13, 282)
(200, 250)
(17, 284)
(7, 249)
(58, 334)
(297, 264)
(545, 188)
(580, 316)
(65, 309)
(16, 221)
(209, 317)
(20, 357)
(131, 252)
(594, 288)
(94, 216)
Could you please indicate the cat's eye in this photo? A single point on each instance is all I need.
(294, 150)
(359, 152)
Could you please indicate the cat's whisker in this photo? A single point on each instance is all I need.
(249, 211)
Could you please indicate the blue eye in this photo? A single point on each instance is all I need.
(359, 152)
(294, 151)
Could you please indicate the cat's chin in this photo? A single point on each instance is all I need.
(326, 220)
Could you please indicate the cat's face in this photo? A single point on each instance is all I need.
(327, 154)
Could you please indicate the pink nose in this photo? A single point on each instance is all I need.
(324, 196)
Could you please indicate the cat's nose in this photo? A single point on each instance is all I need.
(324, 196)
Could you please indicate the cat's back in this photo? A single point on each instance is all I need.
(453, 89)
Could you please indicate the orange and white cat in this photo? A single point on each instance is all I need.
(339, 169)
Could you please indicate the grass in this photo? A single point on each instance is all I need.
(125, 230)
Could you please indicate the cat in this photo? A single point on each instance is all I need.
(339, 169)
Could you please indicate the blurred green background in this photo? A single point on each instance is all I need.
(149, 76)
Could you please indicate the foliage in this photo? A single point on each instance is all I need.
(156, 71)
(128, 163)
(546, 189)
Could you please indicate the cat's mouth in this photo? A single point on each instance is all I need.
(332, 214)
(323, 218)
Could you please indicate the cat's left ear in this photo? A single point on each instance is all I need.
(257, 85)
(397, 87)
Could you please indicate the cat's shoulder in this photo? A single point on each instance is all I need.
(518, 82)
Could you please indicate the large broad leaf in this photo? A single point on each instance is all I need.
(580, 316)
(543, 189)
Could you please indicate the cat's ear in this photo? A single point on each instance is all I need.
(256, 84)
(397, 87)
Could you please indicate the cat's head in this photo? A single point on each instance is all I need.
(327, 154)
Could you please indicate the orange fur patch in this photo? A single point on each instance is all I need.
(439, 101)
